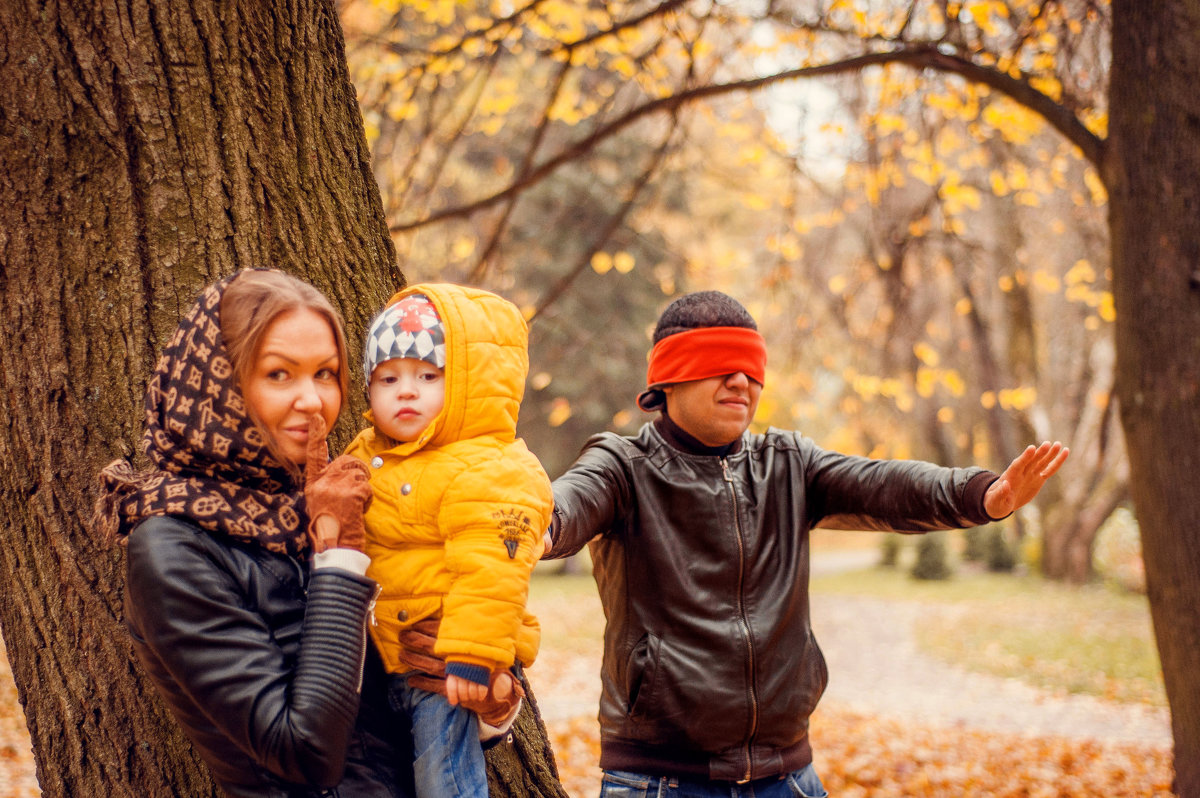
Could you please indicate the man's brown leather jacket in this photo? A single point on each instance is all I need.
(702, 563)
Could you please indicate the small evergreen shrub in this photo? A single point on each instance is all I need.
(1000, 556)
(932, 557)
(889, 550)
(975, 544)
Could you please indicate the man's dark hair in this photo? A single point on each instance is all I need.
(702, 309)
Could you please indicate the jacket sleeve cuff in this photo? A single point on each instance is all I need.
(976, 489)
(472, 673)
(489, 735)
(351, 560)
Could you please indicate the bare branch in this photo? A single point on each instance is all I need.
(925, 56)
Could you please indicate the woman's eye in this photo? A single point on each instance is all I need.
(327, 374)
(277, 375)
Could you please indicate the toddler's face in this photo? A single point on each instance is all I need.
(406, 395)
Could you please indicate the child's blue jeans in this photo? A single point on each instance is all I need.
(447, 757)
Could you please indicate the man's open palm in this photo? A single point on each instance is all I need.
(1023, 478)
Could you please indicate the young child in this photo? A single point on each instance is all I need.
(460, 504)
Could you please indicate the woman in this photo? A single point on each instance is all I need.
(249, 617)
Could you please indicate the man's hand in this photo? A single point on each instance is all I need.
(1023, 478)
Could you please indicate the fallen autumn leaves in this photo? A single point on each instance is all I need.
(859, 754)
(866, 757)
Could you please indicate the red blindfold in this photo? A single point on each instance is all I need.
(707, 352)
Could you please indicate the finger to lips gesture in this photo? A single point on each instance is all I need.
(323, 529)
(318, 449)
(1024, 478)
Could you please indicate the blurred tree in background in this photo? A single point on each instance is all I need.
(938, 233)
(927, 256)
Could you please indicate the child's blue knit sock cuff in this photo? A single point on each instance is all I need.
(472, 673)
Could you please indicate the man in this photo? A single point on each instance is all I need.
(699, 540)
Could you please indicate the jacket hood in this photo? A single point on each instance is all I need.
(487, 360)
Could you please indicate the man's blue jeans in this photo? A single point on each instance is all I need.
(448, 759)
(619, 784)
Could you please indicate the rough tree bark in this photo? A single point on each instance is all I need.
(147, 148)
(1152, 171)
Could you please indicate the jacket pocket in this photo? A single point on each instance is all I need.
(640, 674)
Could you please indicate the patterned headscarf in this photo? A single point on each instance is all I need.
(210, 462)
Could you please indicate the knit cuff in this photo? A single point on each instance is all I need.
(472, 673)
(974, 494)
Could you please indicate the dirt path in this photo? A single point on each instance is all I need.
(875, 668)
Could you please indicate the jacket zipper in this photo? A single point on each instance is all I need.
(369, 620)
(737, 526)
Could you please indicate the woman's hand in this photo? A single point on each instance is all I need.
(337, 494)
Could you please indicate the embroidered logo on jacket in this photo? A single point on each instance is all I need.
(514, 525)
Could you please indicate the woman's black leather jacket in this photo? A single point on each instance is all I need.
(261, 663)
(710, 664)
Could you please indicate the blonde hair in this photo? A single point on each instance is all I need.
(255, 299)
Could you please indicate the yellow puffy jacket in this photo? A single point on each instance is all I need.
(458, 517)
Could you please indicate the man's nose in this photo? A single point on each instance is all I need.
(737, 380)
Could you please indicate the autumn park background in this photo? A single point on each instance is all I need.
(962, 226)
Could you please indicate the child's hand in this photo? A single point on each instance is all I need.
(459, 690)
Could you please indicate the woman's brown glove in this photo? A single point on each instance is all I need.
(337, 494)
(429, 674)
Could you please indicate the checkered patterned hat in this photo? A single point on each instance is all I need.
(409, 328)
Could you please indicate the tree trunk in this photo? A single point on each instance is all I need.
(1069, 536)
(147, 148)
(1152, 171)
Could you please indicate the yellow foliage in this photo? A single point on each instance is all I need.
(1046, 282)
(1096, 187)
(1050, 86)
(756, 202)
(962, 307)
(560, 411)
(1027, 198)
(623, 262)
(1107, 310)
(1014, 122)
(926, 353)
(540, 380)
(984, 14)
(999, 184)
(1018, 398)
(958, 197)
(838, 284)
(927, 380)
(602, 262)
(954, 382)
(463, 247)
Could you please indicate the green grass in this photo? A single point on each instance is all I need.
(1091, 640)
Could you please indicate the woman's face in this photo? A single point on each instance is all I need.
(293, 376)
